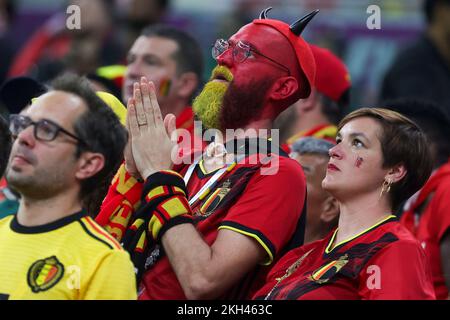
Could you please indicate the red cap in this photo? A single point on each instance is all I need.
(305, 57)
(332, 76)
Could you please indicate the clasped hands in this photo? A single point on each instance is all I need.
(151, 139)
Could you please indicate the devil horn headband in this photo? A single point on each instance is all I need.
(298, 26)
(263, 14)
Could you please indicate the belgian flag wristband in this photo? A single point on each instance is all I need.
(162, 184)
(165, 195)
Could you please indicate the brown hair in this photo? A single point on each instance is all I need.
(402, 142)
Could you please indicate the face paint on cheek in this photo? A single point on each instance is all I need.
(164, 87)
(358, 162)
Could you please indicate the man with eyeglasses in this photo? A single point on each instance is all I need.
(65, 143)
(209, 229)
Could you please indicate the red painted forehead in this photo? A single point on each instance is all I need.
(256, 34)
(302, 50)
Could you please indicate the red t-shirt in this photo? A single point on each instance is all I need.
(431, 226)
(384, 262)
(268, 210)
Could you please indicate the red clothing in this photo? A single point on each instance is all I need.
(185, 120)
(124, 194)
(246, 200)
(324, 131)
(42, 43)
(268, 216)
(432, 223)
(384, 262)
(3, 184)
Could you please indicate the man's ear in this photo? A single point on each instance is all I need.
(187, 84)
(89, 164)
(283, 88)
(396, 173)
(330, 210)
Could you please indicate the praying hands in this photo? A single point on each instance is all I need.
(152, 140)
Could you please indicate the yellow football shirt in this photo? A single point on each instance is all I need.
(72, 258)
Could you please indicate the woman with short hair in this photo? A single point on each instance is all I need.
(381, 158)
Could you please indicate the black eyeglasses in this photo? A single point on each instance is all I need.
(241, 51)
(44, 130)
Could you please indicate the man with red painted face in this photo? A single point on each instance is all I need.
(207, 230)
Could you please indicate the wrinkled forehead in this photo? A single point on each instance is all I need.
(261, 37)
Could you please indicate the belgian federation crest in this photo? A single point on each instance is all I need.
(44, 274)
(212, 202)
(329, 270)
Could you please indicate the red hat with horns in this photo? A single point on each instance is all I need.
(292, 33)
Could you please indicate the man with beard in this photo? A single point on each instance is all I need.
(209, 229)
(66, 142)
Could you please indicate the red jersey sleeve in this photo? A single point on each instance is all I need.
(399, 271)
(270, 207)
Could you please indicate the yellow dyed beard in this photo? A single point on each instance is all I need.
(208, 103)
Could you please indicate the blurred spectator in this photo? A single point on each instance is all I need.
(109, 83)
(423, 70)
(427, 213)
(135, 15)
(109, 79)
(54, 48)
(173, 60)
(7, 15)
(242, 12)
(16, 93)
(318, 115)
(5, 148)
(99, 83)
(322, 209)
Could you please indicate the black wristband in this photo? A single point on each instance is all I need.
(162, 178)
